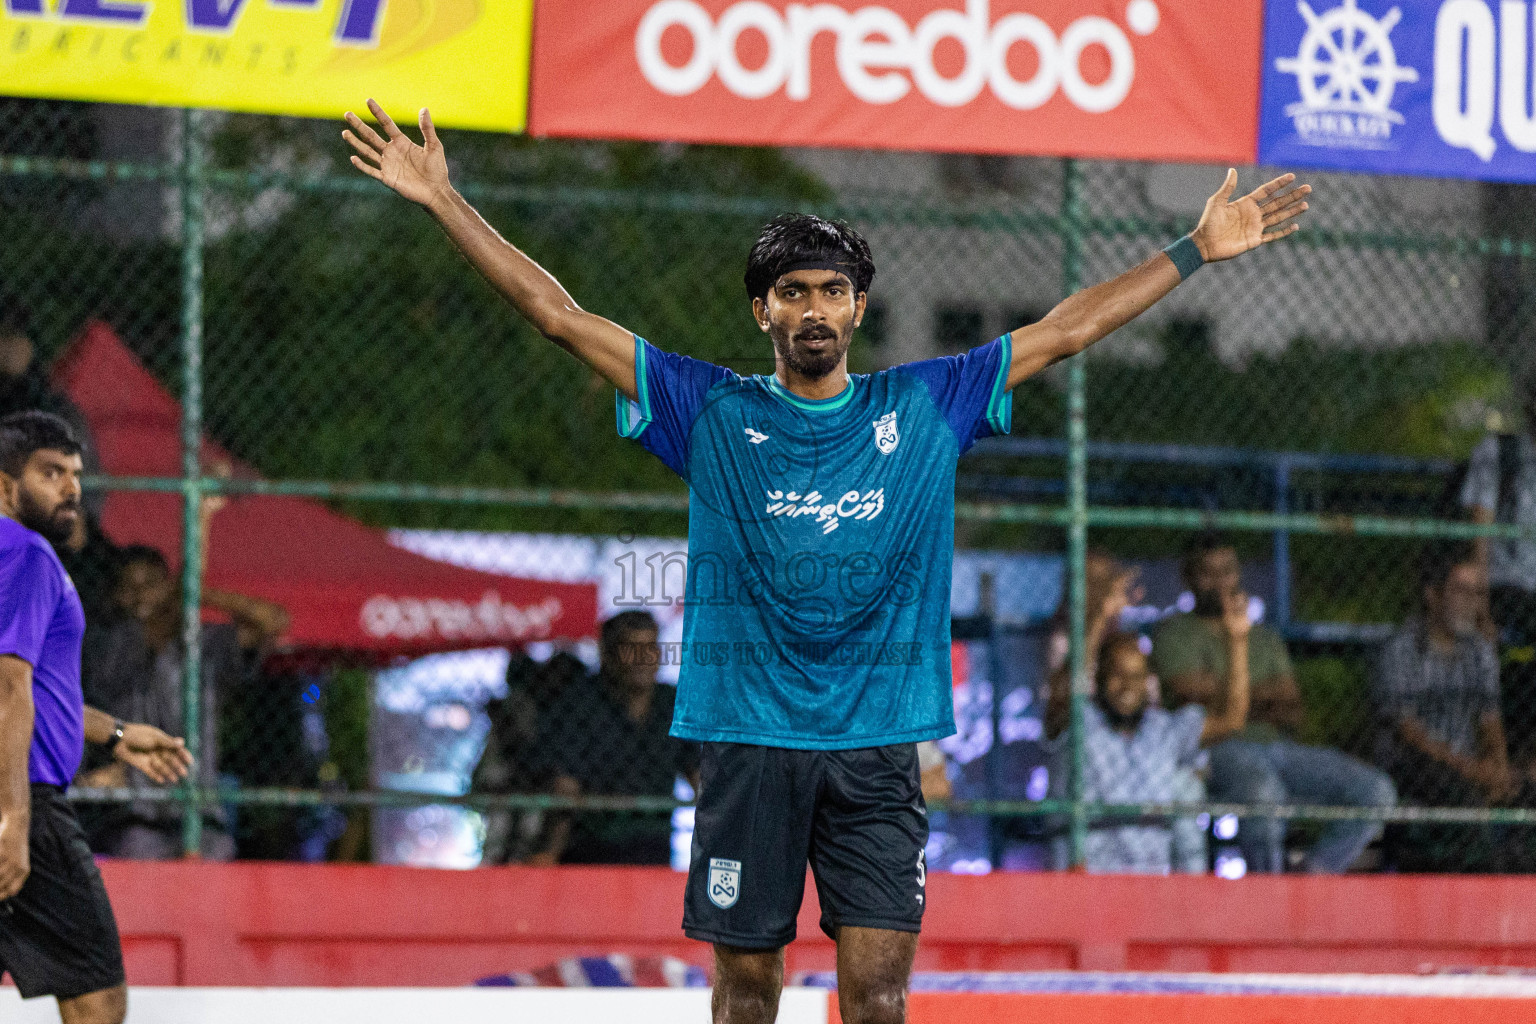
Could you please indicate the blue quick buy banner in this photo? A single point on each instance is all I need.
(1432, 87)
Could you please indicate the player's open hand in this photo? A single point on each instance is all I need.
(161, 756)
(1230, 228)
(419, 173)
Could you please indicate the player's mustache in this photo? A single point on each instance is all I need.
(815, 333)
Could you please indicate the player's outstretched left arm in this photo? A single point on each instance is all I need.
(1227, 229)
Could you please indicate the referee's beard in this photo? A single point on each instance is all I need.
(56, 524)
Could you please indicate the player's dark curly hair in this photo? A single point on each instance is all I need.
(22, 434)
(795, 239)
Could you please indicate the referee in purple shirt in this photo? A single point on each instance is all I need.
(57, 933)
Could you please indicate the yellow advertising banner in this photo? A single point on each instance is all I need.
(466, 59)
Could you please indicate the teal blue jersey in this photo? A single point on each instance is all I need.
(820, 543)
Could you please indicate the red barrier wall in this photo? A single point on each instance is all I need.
(971, 1008)
(342, 925)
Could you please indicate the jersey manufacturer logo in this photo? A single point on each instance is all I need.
(724, 882)
(756, 437)
(886, 437)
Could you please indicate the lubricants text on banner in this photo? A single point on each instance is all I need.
(466, 59)
(1147, 79)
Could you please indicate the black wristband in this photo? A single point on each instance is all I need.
(117, 734)
(1186, 256)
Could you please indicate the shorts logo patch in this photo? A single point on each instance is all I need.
(724, 882)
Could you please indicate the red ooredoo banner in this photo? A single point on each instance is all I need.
(1144, 79)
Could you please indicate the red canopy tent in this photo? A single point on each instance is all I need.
(345, 586)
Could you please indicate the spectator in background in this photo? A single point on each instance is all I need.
(1436, 691)
(511, 762)
(24, 385)
(1500, 487)
(1136, 752)
(1440, 731)
(91, 559)
(611, 736)
(1111, 588)
(1264, 764)
(137, 672)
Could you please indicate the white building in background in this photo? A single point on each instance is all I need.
(944, 288)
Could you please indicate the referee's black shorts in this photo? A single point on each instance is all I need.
(857, 816)
(57, 935)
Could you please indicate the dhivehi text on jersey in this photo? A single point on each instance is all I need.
(852, 505)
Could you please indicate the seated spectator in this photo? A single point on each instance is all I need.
(1436, 692)
(1500, 487)
(510, 762)
(1264, 764)
(1440, 732)
(1135, 752)
(610, 736)
(1110, 589)
(136, 675)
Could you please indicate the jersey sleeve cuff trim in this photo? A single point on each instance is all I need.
(1000, 406)
(633, 417)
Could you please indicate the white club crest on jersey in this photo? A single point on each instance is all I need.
(886, 437)
(756, 437)
(724, 882)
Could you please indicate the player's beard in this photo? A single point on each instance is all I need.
(55, 525)
(812, 364)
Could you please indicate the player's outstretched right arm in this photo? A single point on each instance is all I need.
(420, 174)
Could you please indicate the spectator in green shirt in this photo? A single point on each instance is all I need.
(1263, 764)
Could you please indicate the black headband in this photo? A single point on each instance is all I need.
(842, 268)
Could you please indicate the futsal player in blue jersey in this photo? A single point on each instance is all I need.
(57, 934)
(820, 541)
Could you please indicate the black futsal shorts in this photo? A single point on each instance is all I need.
(57, 935)
(857, 816)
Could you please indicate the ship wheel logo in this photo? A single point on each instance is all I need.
(1347, 72)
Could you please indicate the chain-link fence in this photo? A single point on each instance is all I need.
(1334, 404)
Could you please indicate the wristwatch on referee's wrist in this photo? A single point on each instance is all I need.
(117, 735)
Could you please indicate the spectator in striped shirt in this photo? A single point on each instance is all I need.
(1436, 692)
